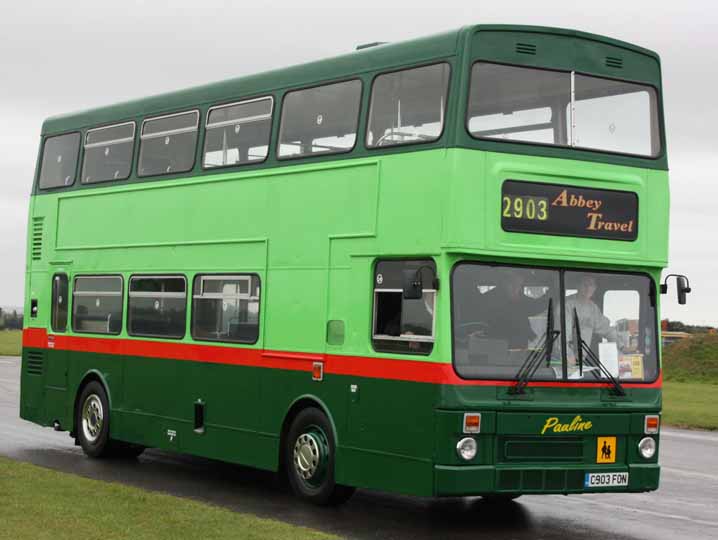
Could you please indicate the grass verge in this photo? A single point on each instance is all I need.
(10, 342)
(38, 504)
(691, 405)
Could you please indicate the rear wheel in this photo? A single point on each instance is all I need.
(93, 426)
(309, 455)
(93, 421)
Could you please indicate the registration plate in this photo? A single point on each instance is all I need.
(608, 479)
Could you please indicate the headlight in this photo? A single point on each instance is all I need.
(647, 447)
(466, 448)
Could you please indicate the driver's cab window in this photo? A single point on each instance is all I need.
(502, 317)
(404, 325)
(609, 316)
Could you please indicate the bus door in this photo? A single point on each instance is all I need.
(56, 354)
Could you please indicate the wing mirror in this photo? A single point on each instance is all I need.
(413, 285)
(683, 287)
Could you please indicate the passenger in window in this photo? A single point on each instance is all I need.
(590, 317)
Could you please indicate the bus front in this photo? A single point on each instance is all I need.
(557, 232)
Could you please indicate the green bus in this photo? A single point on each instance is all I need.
(428, 267)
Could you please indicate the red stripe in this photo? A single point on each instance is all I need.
(359, 366)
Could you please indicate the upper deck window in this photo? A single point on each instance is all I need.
(168, 144)
(238, 133)
(320, 120)
(59, 161)
(408, 106)
(108, 153)
(562, 109)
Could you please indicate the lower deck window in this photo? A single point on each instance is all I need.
(226, 308)
(97, 305)
(403, 325)
(157, 306)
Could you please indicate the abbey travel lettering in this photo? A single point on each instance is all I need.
(564, 199)
(577, 424)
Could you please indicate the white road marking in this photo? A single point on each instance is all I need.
(678, 517)
(692, 436)
(684, 472)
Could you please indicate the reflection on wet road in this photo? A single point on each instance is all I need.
(686, 505)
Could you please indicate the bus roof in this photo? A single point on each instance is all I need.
(378, 57)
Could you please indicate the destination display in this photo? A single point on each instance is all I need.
(539, 208)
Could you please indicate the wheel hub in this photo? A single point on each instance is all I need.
(310, 456)
(92, 418)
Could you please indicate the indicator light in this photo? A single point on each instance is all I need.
(472, 422)
(651, 424)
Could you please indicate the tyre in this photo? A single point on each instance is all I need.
(309, 457)
(92, 421)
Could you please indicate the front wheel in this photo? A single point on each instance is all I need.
(309, 455)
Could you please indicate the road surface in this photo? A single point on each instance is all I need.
(685, 506)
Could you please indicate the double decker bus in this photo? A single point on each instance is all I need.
(427, 267)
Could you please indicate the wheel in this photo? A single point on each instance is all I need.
(93, 421)
(309, 455)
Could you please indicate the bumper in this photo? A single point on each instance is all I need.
(480, 480)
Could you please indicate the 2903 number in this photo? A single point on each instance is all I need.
(524, 207)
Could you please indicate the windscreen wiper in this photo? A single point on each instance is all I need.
(533, 360)
(581, 348)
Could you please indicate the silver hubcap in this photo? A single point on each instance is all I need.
(306, 455)
(92, 418)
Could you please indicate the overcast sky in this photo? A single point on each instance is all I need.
(60, 56)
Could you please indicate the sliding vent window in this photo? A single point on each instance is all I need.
(108, 153)
(157, 306)
(59, 161)
(60, 302)
(97, 305)
(402, 325)
(320, 120)
(226, 308)
(616, 116)
(519, 104)
(408, 106)
(237, 134)
(168, 144)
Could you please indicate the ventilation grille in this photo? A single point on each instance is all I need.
(36, 249)
(525, 48)
(529, 449)
(540, 480)
(34, 362)
(614, 62)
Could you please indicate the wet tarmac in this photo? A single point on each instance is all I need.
(685, 506)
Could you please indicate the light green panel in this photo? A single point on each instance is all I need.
(311, 204)
(295, 304)
(475, 217)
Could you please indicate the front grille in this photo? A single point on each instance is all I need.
(514, 449)
(543, 480)
(34, 362)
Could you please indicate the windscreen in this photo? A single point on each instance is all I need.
(582, 325)
(562, 109)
